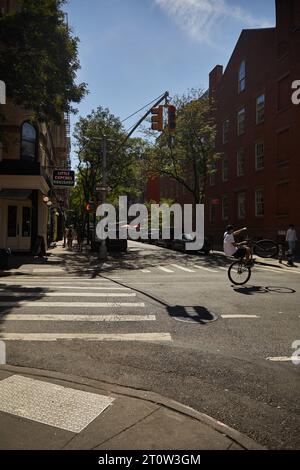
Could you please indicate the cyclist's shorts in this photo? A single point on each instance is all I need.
(240, 253)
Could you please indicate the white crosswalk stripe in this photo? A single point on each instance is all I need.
(38, 304)
(81, 294)
(183, 268)
(204, 269)
(166, 270)
(151, 337)
(67, 294)
(81, 318)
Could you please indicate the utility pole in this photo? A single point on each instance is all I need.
(103, 247)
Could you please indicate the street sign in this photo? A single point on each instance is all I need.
(63, 178)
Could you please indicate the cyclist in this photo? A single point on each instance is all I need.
(231, 248)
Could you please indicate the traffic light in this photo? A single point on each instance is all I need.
(171, 117)
(89, 206)
(157, 120)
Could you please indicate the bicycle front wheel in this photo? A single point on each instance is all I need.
(239, 273)
(266, 248)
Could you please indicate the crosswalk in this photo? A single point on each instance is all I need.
(66, 308)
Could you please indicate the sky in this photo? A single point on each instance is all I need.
(132, 51)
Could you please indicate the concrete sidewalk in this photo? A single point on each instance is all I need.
(40, 409)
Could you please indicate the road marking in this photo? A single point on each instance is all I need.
(37, 303)
(278, 270)
(66, 294)
(151, 337)
(81, 318)
(282, 359)
(48, 270)
(183, 269)
(75, 288)
(53, 280)
(205, 269)
(146, 271)
(240, 316)
(166, 270)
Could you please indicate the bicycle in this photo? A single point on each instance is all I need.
(239, 271)
(264, 248)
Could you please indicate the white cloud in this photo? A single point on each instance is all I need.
(201, 19)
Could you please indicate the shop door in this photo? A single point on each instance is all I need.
(18, 226)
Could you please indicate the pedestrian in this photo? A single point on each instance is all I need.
(291, 238)
(79, 238)
(70, 237)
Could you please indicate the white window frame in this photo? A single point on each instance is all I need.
(260, 109)
(259, 156)
(242, 77)
(241, 152)
(241, 112)
(243, 197)
(225, 178)
(258, 211)
(225, 217)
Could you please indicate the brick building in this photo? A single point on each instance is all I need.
(257, 179)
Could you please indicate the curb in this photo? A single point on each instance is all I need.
(237, 437)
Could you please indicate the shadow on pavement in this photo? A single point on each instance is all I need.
(251, 290)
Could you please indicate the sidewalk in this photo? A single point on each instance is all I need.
(40, 409)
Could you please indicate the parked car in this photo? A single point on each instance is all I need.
(166, 242)
(180, 244)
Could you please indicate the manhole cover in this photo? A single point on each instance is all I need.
(195, 314)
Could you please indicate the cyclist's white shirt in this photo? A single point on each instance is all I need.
(229, 249)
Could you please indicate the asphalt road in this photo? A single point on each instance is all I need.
(174, 325)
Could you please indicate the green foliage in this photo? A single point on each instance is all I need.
(38, 60)
(188, 155)
(125, 161)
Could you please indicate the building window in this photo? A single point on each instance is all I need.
(225, 131)
(260, 109)
(212, 176)
(259, 156)
(28, 142)
(212, 212)
(240, 163)
(242, 77)
(241, 205)
(225, 170)
(225, 208)
(241, 121)
(259, 203)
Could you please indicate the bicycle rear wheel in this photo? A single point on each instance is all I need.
(266, 248)
(239, 273)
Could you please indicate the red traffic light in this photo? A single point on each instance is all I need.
(157, 120)
(171, 117)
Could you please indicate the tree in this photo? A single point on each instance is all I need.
(188, 154)
(39, 60)
(125, 161)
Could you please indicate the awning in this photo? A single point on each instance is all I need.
(29, 182)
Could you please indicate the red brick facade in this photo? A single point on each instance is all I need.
(257, 183)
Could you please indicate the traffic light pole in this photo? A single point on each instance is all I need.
(164, 97)
(103, 247)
